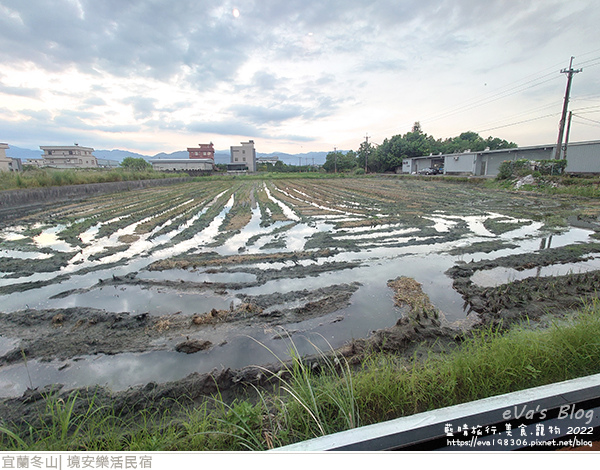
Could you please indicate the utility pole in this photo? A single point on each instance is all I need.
(567, 136)
(561, 128)
(335, 158)
(366, 151)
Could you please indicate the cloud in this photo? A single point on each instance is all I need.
(268, 115)
(227, 128)
(94, 101)
(143, 106)
(20, 91)
(318, 70)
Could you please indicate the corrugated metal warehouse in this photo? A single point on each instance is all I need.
(582, 158)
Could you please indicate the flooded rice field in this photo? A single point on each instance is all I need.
(156, 284)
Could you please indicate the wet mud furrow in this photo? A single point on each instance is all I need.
(180, 277)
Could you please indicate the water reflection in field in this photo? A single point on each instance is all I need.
(364, 249)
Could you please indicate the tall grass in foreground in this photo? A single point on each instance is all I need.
(315, 400)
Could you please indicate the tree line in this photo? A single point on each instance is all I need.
(389, 154)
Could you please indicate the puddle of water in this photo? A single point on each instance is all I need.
(24, 254)
(377, 234)
(154, 300)
(371, 306)
(314, 204)
(7, 344)
(197, 276)
(319, 206)
(12, 236)
(49, 239)
(497, 276)
(126, 370)
(239, 242)
(287, 211)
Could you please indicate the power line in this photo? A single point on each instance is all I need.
(587, 119)
(581, 110)
(513, 116)
(495, 97)
(519, 122)
(587, 123)
(528, 82)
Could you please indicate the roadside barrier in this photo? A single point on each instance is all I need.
(562, 416)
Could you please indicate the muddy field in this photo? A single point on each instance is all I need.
(173, 284)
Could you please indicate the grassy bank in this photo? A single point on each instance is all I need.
(47, 177)
(305, 404)
(566, 185)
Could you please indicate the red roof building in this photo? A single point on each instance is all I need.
(203, 151)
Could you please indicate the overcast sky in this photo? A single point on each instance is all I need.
(293, 75)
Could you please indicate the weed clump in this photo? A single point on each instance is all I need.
(407, 291)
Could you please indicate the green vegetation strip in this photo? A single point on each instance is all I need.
(46, 177)
(311, 401)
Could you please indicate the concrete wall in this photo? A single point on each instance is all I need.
(489, 163)
(460, 163)
(4, 160)
(583, 158)
(182, 165)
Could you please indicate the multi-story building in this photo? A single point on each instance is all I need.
(8, 163)
(203, 151)
(70, 156)
(244, 154)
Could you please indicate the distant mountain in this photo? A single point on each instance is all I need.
(23, 154)
(178, 154)
(117, 155)
(221, 156)
(310, 158)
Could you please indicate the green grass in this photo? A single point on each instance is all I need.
(311, 400)
(47, 177)
(581, 186)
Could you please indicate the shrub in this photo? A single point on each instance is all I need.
(519, 168)
(514, 168)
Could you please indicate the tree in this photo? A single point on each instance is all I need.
(473, 141)
(364, 156)
(391, 152)
(135, 164)
(389, 155)
(339, 161)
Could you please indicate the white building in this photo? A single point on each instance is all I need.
(192, 166)
(244, 154)
(71, 156)
(8, 163)
(272, 160)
